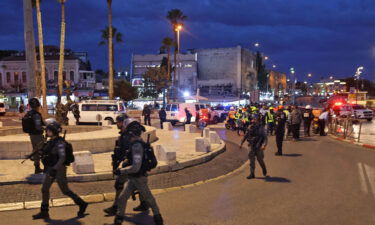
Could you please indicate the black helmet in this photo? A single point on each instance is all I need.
(133, 127)
(122, 117)
(53, 125)
(34, 103)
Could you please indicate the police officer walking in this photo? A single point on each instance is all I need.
(34, 123)
(280, 118)
(257, 141)
(162, 117)
(146, 113)
(136, 172)
(307, 119)
(55, 161)
(120, 153)
(270, 121)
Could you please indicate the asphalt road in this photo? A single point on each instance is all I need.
(319, 181)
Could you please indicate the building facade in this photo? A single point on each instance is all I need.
(277, 83)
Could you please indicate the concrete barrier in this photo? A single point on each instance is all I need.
(202, 145)
(162, 154)
(206, 132)
(167, 126)
(189, 128)
(83, 163)
(71, 122)
(1, 124)
(214, 138)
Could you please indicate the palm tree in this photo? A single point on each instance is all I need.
(110, 51)
(30, 47)
(116, 36)
(41, 58)
(167, 44)
(62, 52)
(175, 17)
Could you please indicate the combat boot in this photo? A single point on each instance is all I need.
(118, 221)
(111, 211)
(251, 176)
(38, 170)
(82, 209)
(43, 214)
(142, 207)
(265, 172)
(158, 220)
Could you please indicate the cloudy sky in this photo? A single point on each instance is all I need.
(322, 37)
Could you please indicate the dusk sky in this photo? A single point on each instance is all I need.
(322, 37)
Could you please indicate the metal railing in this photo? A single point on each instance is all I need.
(347, 128)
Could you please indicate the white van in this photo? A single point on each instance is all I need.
(176, 112)
(107, 109)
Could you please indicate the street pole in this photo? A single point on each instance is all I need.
(178, 60)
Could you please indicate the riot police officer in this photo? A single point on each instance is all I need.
(281, 119)
(257, 141)
(121, 151)
(54, 160)
(137, 174)
(36, 133)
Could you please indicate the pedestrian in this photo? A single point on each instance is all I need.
(307, 119)
(137, 174)
(323, 119)
(263, 111)
(280, 120)
(56, 158)
(295, 120)
(188, 115)
(270, 121)
(32, 123)
(162, 117)
(146, 113)
(257, 141)
(76, 112)
(21, 110)
(122, 148)
(288, 125)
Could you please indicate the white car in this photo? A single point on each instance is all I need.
(91, 110)
(361, 112)
(2, 109)
(176, 112)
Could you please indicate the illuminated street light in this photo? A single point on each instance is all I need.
(257, 44)
(309, 75)
(305, 82)
(331, 77)
(273, 66)
(265, 57)
(186, 94)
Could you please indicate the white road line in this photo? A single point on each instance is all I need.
(370, 172)
(362, 178)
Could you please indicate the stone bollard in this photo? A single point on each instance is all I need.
(214, 138)
(202, 145)
(167, 126)
(189, 128)
(206, 132)
(162, 154)
(83, 163)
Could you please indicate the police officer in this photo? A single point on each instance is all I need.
(121, 151)
(307, 119)
(36, 135)
(280, 118)
(54, 160)
(270, 121)
(257, 141)
(136, 173)
(162, 117)
(146, 113)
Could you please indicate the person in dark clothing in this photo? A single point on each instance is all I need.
(307, 119)
(257, 141)
(162, 117)
(295, 120)
(146, 113)
(280, 129)
(36, 135)
(76, 113)
(188, 116)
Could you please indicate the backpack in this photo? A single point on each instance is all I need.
(28, 125)
(69, 156)
(149, 159)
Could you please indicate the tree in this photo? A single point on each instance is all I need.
(62, 52)
(167, 44)
(116, 36)
(124, 90)
(175, 17)
(30, 47)
(155, 81)
(110, 50)
(42, 79)
(261, 72)
(367, 85)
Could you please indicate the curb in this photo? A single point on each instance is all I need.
(352, 142)
(106, 197)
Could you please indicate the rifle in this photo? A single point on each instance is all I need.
(40, 148)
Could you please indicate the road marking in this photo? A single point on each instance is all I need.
(362, 178)
(370, 175)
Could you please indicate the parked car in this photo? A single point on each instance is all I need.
(222, 112)
(107, 109)
(176, 112)
(2, 109)
(361, 112)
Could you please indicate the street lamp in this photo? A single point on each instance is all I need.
(309, 75)
(331, 77)
(274, 66)
(265, 57)
(257, 44)
(178, 28)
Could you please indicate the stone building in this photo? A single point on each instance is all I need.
(277, 83)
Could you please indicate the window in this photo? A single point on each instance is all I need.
(107, 108)
(2, 105)
(72, 75)
(24, 79)
(16, 77)
(1, 79)
(89, 107)
(55, 76)
(174, 108)
(8, 78)
(168, 108)
(64, 75)
(197, 108)
(202, 106)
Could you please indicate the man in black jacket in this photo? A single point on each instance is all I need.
(36, 134)
(146, 113)
(162, 117)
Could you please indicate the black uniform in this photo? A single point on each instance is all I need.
(146, 113)
(307, 119)
(36, 136)
(256, 138)
(162, 117)
(188, 116)
(280, 130)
